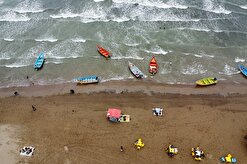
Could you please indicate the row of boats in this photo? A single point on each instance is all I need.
(153, 69)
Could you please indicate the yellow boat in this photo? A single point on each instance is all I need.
(207, 81)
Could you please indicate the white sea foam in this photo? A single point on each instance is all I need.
(153, 3)
(194, 69)
(243, 7)
(117, 78)
(210, 6)
(132, 44)
(237, 60)
(8, 39)
(46, 40)
(28, 6)
(126, 57)
(98, 0)
(158, 51)
(228, 70)
(16, 65)
(13, 17)
(79, 40)
(67, 14)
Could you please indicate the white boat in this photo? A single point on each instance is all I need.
(135, 71)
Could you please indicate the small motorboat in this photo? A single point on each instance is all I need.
(87, 80)
(135, 71)
(39, 62)
(103, 52)
(153, 66)
(207, 81)
(243, 70)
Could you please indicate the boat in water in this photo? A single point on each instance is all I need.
(153, 66)
(207, 81)
(243, 70)
(103, 52)
(135, 71)
(39, 62)
(87, 80)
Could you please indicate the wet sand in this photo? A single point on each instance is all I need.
(72, 128)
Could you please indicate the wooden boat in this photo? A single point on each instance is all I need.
(207, 81)
(103, 52)
(87, 80)
(243, 69)
(135, 71)
(153, 66)
(39, 62)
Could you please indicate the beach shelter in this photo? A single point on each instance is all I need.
(113, 114)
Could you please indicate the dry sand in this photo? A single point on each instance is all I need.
(72, 128)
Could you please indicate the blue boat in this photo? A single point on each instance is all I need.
(87, 80)
(39, 62)
(243, 69)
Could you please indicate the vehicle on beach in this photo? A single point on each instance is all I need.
(135, 71)
(87, 80)
(197, 153)
(172, 151)
(139, 144)
(228, 159)
(153, 66)
(113, 115)
(243, 70)
(39, 62)
(207, 81)
(103, 52)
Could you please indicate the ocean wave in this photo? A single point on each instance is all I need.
(8, 39)
(117, 78)
(126, 57)
(228, 70)
(12, 17)
(132, 44)
(28, 6)
(243, 7)
(46, 40)
(194, 69)
(79, 40)
(215, 8)
(15, 65)
(158, 51)
(153, 3)
(98, 0)
(237, 60)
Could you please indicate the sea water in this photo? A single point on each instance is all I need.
(190, 39)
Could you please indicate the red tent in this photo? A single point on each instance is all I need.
(113, 114)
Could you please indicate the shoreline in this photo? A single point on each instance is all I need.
(145, 86)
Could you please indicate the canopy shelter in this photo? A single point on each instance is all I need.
(113, 114)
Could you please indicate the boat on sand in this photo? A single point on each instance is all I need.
(243, 70)
(87, 80)
(207, 81)
(153, 66)
(135, 71)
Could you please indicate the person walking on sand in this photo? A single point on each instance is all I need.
(121, 148)
(33, 107)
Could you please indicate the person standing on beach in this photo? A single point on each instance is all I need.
(34, 108)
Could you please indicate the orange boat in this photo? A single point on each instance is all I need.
(153, 66)
(103, 52)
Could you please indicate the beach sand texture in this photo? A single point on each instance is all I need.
(72, 128)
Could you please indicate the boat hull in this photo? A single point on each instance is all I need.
(103, 52)
(39, 62)
(153, 66)
(243, 70)
(207, 81)
(135, 71)
(87, 80)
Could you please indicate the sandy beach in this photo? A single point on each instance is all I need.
(72, 128)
